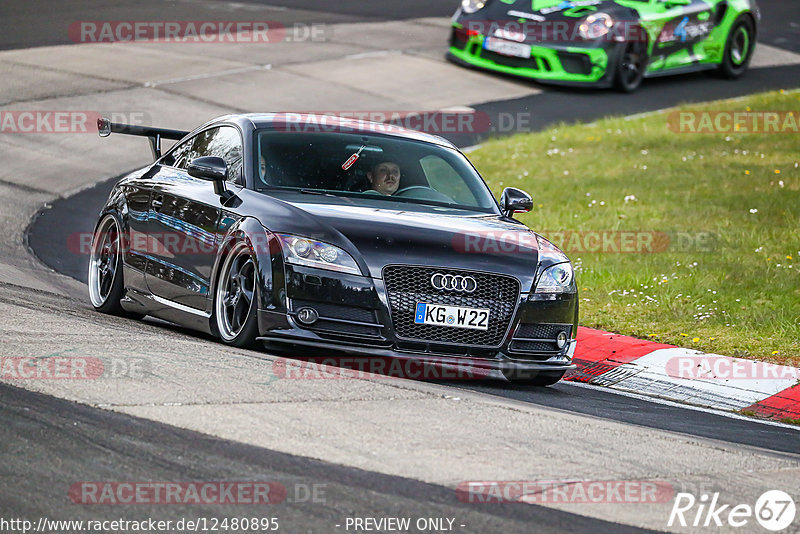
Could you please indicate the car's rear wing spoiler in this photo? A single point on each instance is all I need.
(105, 128)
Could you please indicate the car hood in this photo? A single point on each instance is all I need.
(380, 236)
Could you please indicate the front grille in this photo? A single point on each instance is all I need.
(406, 286)
(535, 62)
(575, 63)
(510, 61)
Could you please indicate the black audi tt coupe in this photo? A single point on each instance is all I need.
(308, 232)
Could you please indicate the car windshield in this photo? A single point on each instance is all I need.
(369, 168)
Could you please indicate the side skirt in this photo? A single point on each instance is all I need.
(167, 310)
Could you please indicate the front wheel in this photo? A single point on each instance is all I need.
(631, 66)
(738, 48)
(533, 378)
(235, 318)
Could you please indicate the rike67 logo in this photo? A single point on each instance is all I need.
(774, 510)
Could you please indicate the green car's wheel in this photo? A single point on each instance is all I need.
(738, 48)
(631, 65)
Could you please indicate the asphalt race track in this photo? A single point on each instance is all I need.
(66, 438)
(376, 448)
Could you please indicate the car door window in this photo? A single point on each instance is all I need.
(177, 157)
(223, 142)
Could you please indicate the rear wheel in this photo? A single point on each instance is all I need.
(235, 318)
(533, 378)
(631, 66)
(106, 286)
(738, 48)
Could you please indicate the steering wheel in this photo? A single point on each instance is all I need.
(422, 192)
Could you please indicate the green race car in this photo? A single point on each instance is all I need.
(604, 43)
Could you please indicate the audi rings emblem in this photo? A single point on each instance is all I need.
(454, 282)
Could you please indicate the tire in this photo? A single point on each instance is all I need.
(533, 378)
(106, 284)
(235, 317)
(738, 48)
(631, 66)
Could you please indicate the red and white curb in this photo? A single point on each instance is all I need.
(685, 375)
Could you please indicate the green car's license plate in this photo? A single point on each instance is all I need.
(507, 48)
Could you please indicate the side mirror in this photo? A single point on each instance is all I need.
(211, 168)
(515, 200)
(103, 127)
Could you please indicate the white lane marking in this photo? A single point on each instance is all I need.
(206, 75)
(665, 402)
(771, 56)
(458, 109)
(234, 6)
(379, 53)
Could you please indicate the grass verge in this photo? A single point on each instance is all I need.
(720, 211)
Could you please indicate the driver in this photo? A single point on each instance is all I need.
(384, 177)
(262, 168)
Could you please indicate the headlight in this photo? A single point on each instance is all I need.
(595, 25)
(471, 6)
(303, 251)
(556, 279)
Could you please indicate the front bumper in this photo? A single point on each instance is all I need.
(550, 63)
(355, 318)
(500, 363)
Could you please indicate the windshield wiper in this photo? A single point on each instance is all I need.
(313, 192)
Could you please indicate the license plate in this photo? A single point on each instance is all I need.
(455, 316)
(507, 48)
